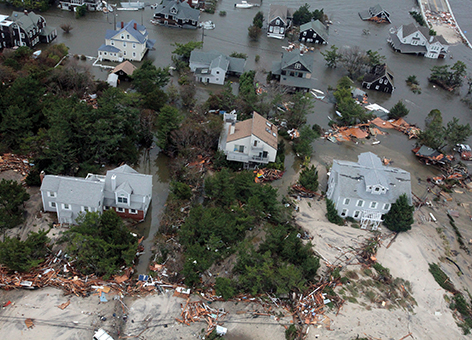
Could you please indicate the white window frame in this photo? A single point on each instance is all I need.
(51, 194)
(344, 212)
(346, 201)
(121, 210)
(124, 43)
(356, 214)
(134, 45)
(386, 206)
(106, 207)
(52, 204)
(66, 206)
(134, 54)
(133, 211)
(373, 205)
(361, 203)
(124, 200)
(86, 209)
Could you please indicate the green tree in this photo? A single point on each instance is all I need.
(167, 121)
(295, 116)
(456, 133)
(375, 58)
(182, 53)
(309, 178)
(399, 110)
(147, 77)
(332, 213)
(100, 244)
(458, 72)
(181, 190)
(258, 20)
(302, 15)
(332, 57)
(254, 32)
(80, 11)
(433, 133)
(400, 216)
(12, 198)
(224, 287)
(448, 77)
(22, 256)
(318, 14)
(302, 145)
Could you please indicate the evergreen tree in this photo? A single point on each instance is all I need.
(332, 213)
(167, 121)
(400, 216)
(12, 197)
(309, 178)
(399, 110)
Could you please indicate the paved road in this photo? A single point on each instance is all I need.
(436, 5)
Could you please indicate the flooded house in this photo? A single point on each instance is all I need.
(213, 67)
(314, 32)
(279, 20)
(294, 71)
(380, 78)
(174, 13)
(376, 14)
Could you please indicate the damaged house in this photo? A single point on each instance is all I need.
(314, 32)
(122, 189)
(375, 14)
(294, 71)
(279, 21)
(366, 189)
(380, 78)
(252, 141)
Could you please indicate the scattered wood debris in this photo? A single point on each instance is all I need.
(267, 175)
(17, 163)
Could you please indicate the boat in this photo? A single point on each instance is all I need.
(136, 4)
(208, 25)
(244, 4)
(318, 94)
(376, 142)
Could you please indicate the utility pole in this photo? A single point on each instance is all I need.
(203, 33)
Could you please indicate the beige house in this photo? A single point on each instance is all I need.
(129, 41)
(250, 141)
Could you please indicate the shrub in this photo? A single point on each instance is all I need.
(224, 287)
(181, 190)
(332, 213)
(309, 178)
(222, 13)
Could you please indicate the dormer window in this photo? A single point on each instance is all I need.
(277, 22)
(298, 66)
(123, 200)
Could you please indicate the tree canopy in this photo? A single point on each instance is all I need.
(12, 197)
(399, 110)
(332, 57)
(303, 15)
(309, 178)
(449, 77)
(400, 216)
(100, 244)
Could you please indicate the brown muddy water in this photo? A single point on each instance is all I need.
(231, 35)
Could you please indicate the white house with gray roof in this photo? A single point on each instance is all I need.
(411, 39)
(213, 67)
(366, 189)
(123, 189)
(294, 71)
(129, 41)
(251, 141)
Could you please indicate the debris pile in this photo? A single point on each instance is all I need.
(267, 175)
(402, 126)
(195, 311)
(17, 163)
(300, 191)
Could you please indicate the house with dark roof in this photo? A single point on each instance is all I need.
(375, 14)
(175, 13)
(25, 29)
(123, 189)
(314, 32)
(213, 67)
(279, 20)
(129, 41)
(380, 78)
(294, 71)
(366, 189)
(411, 39)
(252, 141)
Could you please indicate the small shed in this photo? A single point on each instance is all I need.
(124, 71)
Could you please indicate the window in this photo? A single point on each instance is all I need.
(241, 148)
(373, 205)
(298, 66)
(127, 36)
(386, 206)
(357, 213)
(22, 35)
(124, 52)
(344, 213)
(377, 189)
(277, 22)
(134, 45)
(264, 154)
(377, 87)
(124, 43)
(120, 209)
(123, 200)
(255, 143)
(360, 203)
(51, 194)
(85, 209)
(134, 54)
(52, 204)
(133, 211)
(122, 36)
(347, 201)
(304, 33)
(106, 207)
(112, 43)
(66, 206)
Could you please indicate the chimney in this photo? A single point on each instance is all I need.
(232, 128)
(122, 24)
(135, 26)
(25, 11)
(113, 182)
(41, 175)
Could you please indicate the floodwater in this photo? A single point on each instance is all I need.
(231, 35)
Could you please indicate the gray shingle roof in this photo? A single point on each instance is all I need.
(74, 191)
(208, 58)
(290, 58)
(184, 11)
(406, 48)
(129, 28)
(316, 26)
(351, 179)
(141, 184)
(378, 72)
(108, 48)
(27, 22)
(373, 11)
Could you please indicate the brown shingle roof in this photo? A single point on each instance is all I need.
(126, 67)
(258, 126)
